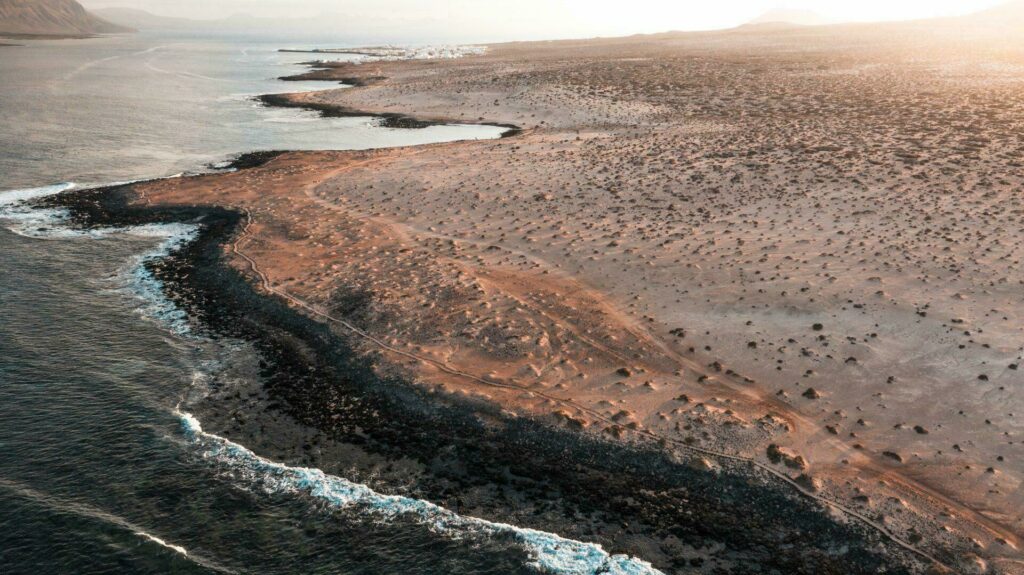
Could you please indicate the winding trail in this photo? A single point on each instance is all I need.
(444, 367)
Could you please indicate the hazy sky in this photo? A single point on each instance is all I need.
(530, 19)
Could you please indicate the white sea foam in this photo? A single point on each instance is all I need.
(161, 542)
(25, 220)
(11, 197)
(145, 286)
(51, 223)
(21, 217)
(549, 553)
(136, 277)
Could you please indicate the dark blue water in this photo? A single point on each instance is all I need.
(94, 464)
(102, 467)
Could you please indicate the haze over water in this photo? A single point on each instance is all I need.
(128, 107)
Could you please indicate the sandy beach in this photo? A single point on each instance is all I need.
(795, 251)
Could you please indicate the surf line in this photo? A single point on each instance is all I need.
(443, 366)
(549, 553)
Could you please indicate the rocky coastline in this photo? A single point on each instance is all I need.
(683, 515)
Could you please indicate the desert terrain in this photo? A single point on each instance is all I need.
(798, 248)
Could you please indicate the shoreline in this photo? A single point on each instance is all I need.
(322, 72)
(388, 119)
(259, 159)
(849, 447)
(198, 278)
(356, 193)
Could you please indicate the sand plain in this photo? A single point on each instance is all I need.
(800, 246)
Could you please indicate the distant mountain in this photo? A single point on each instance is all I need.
(328, 28)
(52, 18)
(1009, 14)
(142, 20)
(788, 16)
(234, 25)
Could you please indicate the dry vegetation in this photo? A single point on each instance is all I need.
(801, 246)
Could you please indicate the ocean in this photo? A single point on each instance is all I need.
(103, 468)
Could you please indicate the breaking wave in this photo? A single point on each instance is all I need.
(11, 197)
(549, 553)
(25, 219)
(144, 285)
(176, 548)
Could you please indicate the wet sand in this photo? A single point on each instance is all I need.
(787, 251)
